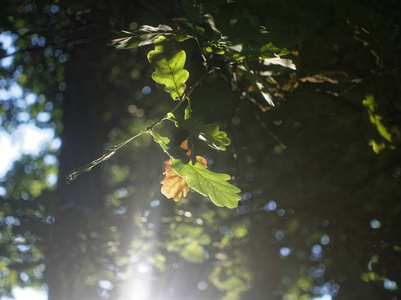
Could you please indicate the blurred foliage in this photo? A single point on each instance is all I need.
(319, 210)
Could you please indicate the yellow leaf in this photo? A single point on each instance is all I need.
(173, 185)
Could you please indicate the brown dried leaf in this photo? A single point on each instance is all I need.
(173, 185)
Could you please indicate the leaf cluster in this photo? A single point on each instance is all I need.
(243, 61)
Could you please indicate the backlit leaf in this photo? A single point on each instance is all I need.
(208, 183)
(170, 149)
(189, 241)
(143, 35)
(255, 80)
(173, 185)
(210, 133)
(271, 51)
(390, 134)
(169, 67)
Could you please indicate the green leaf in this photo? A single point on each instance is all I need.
(254, 79)
(370, 105)
(208, 183)
(271, 51)
(170, 149)
(169, 67)
(161, 140)
(144, 35)
(188, 241)
(210, 133)
(193, 252)
(369, 102)
(377, 147)
(188, 110)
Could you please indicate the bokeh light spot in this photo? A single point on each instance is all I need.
(324, 240)
(146, 90)
(375, 224)
(202, 285)
(270, 206)
(285, 251)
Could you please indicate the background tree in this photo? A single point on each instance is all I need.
(319, 209)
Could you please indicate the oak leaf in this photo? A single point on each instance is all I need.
(210, 133)
(208, 183)
(169, 67)
(173, 185)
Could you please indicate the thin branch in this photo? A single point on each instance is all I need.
(275, 137)
(108, 152)
(201, 49)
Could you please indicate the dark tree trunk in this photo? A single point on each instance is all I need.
(76, 246)
(79, 204)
